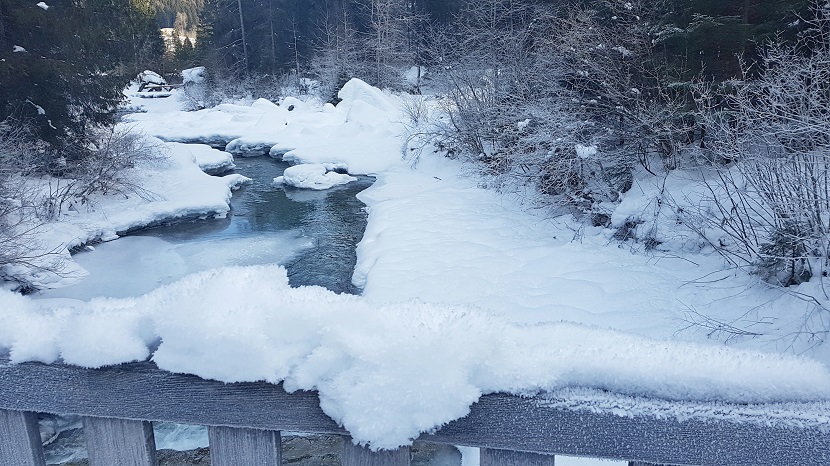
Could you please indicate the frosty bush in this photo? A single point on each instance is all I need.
(532, 84)
(770, 141)
(20, 152)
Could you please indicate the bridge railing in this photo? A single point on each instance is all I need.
(119, 404)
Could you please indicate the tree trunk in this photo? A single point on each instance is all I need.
(244, 40)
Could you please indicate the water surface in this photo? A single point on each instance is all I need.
(313, 234)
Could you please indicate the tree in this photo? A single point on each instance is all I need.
(63, 67)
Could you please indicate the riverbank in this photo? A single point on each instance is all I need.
(170, 187)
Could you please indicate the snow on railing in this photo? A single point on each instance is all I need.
(120, 403)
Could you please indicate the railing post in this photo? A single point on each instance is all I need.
(20, 439)
(355, 455)
(493, 457)
(119, 442)
(230, 446)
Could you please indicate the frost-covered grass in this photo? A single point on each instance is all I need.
(466, 291)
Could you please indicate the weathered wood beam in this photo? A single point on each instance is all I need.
(141, 391)
(20, 439)
(493, 457)
(508, 422)
(231, 446)
(119, 442)
(355, 455)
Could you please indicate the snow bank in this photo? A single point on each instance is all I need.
(356, 90)
(173, 188)
(385, 372)
(363, 132)
(312, 176)
(208, 159)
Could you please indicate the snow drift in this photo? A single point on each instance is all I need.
(385, 372)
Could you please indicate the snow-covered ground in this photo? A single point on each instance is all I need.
(174, 187)
(466, 291)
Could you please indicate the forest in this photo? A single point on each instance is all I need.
(570, 98)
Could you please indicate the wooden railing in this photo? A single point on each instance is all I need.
(245, 419)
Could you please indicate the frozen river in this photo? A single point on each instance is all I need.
(312, 233)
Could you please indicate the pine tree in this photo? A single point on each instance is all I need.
(63, 67)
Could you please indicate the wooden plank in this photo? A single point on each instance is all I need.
(119, 442)
(494, 457)
(230, 446)
(527, 424)
(20, 439)
(141, 391)
(355, 455)
(498, 421)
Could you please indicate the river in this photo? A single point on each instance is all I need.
(312, 233)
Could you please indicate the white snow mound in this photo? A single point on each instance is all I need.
(389, 372)
(312, 176)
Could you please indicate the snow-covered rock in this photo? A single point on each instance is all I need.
(151, 77)
(211, 161)
(193, 75)
(312, 176)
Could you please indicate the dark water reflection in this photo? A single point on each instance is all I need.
(333, 220)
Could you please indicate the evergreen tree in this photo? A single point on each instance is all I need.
(63, 67)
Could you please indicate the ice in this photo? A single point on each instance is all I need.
(174, 187)
(135, 265)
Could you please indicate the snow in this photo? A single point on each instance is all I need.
(415, 74)
(40, 110)
(173, 188)
(466, 291)
(584, 152)
(210, 160)
(151, 77)
(194, 75)
(312, 176)
(384, 371)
